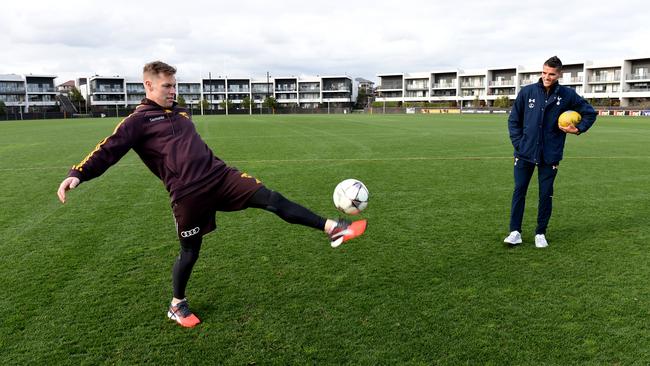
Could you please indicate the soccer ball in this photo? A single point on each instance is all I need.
(351, 196)
(569, 118)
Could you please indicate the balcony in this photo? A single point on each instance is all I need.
(605, 79)
(285, 97)
(502, 91)
(12, 90)
(445, 85)
(391, 86)
(391, 94)
(103, 89)
(504, 82)
(444, 93)
(237, 89)
(417, 87)
(637, 77)
(572, 80)
(528, 81)
(215, 89)
(261, 89)
(13, 98)
(37, 89)
(637, 89)
(186, 90)
(472, 84)
(336, 88)
(473, 93)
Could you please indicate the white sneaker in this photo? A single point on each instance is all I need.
(540, 241)
(514, 238)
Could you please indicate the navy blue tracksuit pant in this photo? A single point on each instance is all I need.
(546, 176)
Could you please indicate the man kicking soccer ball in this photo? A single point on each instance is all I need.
(198, 182)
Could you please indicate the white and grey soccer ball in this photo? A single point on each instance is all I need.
(351, 196)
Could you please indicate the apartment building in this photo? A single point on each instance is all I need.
(473, 86)
(41, 93)
(286, 91)
(134, 89)
(310, 92)
(260, 90)
(417, 86)
(214, 90)
(238, 90)
(337, 91)
(623, 83)
(104, 92)
(444, 85)
(13, 92)
(190, 91)
(391, 87)
(28, 93)
(636, 80)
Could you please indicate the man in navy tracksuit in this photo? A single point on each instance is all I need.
(539, 141)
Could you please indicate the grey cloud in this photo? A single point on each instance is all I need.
(360, 38)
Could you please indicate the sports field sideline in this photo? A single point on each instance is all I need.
(88, 282)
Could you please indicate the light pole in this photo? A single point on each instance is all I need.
(267, 87)
(225, 82)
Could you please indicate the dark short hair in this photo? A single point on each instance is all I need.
(157, 67)
(554, 62)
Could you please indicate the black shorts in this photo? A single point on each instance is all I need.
(195, 214)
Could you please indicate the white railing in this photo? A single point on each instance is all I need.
(506, 82)
(472, 85)
(606, 79)
(444, 85)
(637, 77)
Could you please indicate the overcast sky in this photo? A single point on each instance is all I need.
(301, 37)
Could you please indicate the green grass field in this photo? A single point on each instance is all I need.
(431, 282)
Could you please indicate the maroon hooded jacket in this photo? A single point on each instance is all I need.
(166, 141)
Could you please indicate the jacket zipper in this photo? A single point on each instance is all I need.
(540, 133)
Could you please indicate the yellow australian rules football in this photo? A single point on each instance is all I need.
(569, 118)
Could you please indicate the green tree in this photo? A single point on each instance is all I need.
(227, 103)
(502, 102)
(246, 102)
(181, 101)
(270, 102)
(3, 107)
(203, 103)
(76, 98)
(362, 98)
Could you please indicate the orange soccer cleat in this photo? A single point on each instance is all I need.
(344, 231)
(181, 314)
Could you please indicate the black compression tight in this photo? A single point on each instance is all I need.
(182, 270)
(289, 211)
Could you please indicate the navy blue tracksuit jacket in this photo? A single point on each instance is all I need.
(533, 121)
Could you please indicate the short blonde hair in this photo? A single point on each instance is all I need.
(157, 67)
